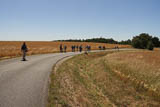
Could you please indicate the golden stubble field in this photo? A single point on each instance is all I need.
(107, 79)
(12, 48)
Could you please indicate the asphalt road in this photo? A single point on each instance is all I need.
(25, 83)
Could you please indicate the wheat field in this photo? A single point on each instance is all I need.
(12, 48)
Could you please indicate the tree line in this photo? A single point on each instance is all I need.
(142, 41)
(96, 40)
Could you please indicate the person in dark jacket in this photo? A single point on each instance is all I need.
(61, 48)
(100, 47)
(24, 50)
(80, 48)
(72, 48)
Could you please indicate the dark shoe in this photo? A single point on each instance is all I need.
(23, 59)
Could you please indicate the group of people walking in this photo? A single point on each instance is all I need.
(63, 48)
(102, 48)
(74, 48)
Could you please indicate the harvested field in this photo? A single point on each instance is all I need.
(12, 48)
(107, 79)
(141, 67)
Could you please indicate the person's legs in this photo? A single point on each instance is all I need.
(24, 55)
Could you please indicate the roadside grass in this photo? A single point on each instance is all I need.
(104, 79)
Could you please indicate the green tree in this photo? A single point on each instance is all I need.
(141, 41)
(136, 43)
(156, 41)
(150, 45)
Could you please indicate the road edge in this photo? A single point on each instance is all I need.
(54, 69)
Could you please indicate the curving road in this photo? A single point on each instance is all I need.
(25, 83)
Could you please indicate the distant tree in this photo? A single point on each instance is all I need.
(156, 42)
(98, 40)
(127, 42)
(141, 41)
(150, 45)
(136, 43)
(102, 40)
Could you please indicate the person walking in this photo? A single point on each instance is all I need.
(86, 49)
(61, 48)
(24, 50)
(80, 48)
(72, 48)
(104, 48)
(77, 47)
(100, 47)
(65, 48)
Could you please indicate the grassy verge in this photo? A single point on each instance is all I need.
(91, 81)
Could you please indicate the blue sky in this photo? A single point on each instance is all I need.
(77, 19)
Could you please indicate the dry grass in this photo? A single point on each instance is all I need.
(71, 86)
(156, 49)
(12, 49)
(142, 68)
(107, 79)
